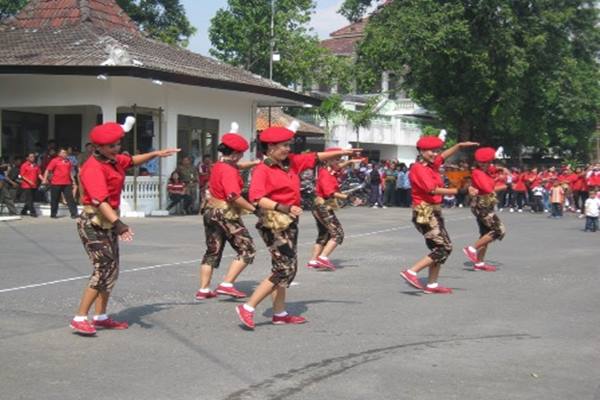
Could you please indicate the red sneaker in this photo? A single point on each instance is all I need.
(288, 319)
(246, 316)
(313, 266)
(437, 290)
(111, 324)
(411, 279)
(230, 291)
(484, 267)
(471, 255)
(83, 327)
(325, 264)
(203, 296)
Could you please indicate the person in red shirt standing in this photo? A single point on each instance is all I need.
(30, 176)
(331, 233)
(427, 192)
(275, 189)
(520, 189)
(62, 182)
(99, 227)
(222, 219)
(482, 206)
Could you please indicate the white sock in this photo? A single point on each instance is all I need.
(100, 317)
(226, 284)
(323, 258)
(432, 285)
(281, 314)
(479, 264)
(204, 290)
(413, 273)
(248, 308)
(80, 318)
(472, 249)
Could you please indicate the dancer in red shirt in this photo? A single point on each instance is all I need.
(275, 189)
(102, 178)
(482, 206)
(222, 219)
(331, 233)
(427, 192)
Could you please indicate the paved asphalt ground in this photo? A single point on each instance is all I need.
(528, 331)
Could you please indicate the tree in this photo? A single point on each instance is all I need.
(329, 108)
(241, 35)
(163, 20)
(362, 116)
(354, 10)
(498, 71)
(8, 8)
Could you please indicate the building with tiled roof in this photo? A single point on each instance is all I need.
(397, 126)
(66, 65)
(308, 136)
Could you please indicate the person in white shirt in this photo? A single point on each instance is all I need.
(592, 211)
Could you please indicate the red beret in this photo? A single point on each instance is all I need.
(333, 149)
(485, 154)
(235, 142)
(429, 143)
(276, 134)
(107, 133)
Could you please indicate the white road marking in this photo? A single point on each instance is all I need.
(196, 260)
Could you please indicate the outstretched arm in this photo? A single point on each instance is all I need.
(452, 150)
(140, 159)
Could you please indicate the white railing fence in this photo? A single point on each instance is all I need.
(147, 194)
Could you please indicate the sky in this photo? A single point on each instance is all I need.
(199, 12)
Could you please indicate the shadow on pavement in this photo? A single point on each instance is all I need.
(135, 315)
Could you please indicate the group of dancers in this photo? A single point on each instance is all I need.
(274, 197)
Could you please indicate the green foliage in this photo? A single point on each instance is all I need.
(8, 8)
(363, 116)
(241, 35)
(329, 108)
(354, 10)
(163, 20)
(496, 71)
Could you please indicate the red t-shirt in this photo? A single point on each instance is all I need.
(519, 182)
(570, 179)
(594, 179)
(176, 188)
(547, 178)
(31, 171)
(225, 181)
(327, 183)
(423, 179)
(204, 172)
(102, 179)
(482, 181)
(61, 171)
(579, 184)
(278, 184)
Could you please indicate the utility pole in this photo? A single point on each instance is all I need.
(272, 45)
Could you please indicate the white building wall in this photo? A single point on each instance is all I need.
(31, 91)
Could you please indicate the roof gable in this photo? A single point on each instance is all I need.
(56, 14)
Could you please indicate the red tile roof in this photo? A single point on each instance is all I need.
(90, 37)
(40, 14)
(279, 118)
(355, 29)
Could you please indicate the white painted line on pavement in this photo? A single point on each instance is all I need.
(157, 266)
